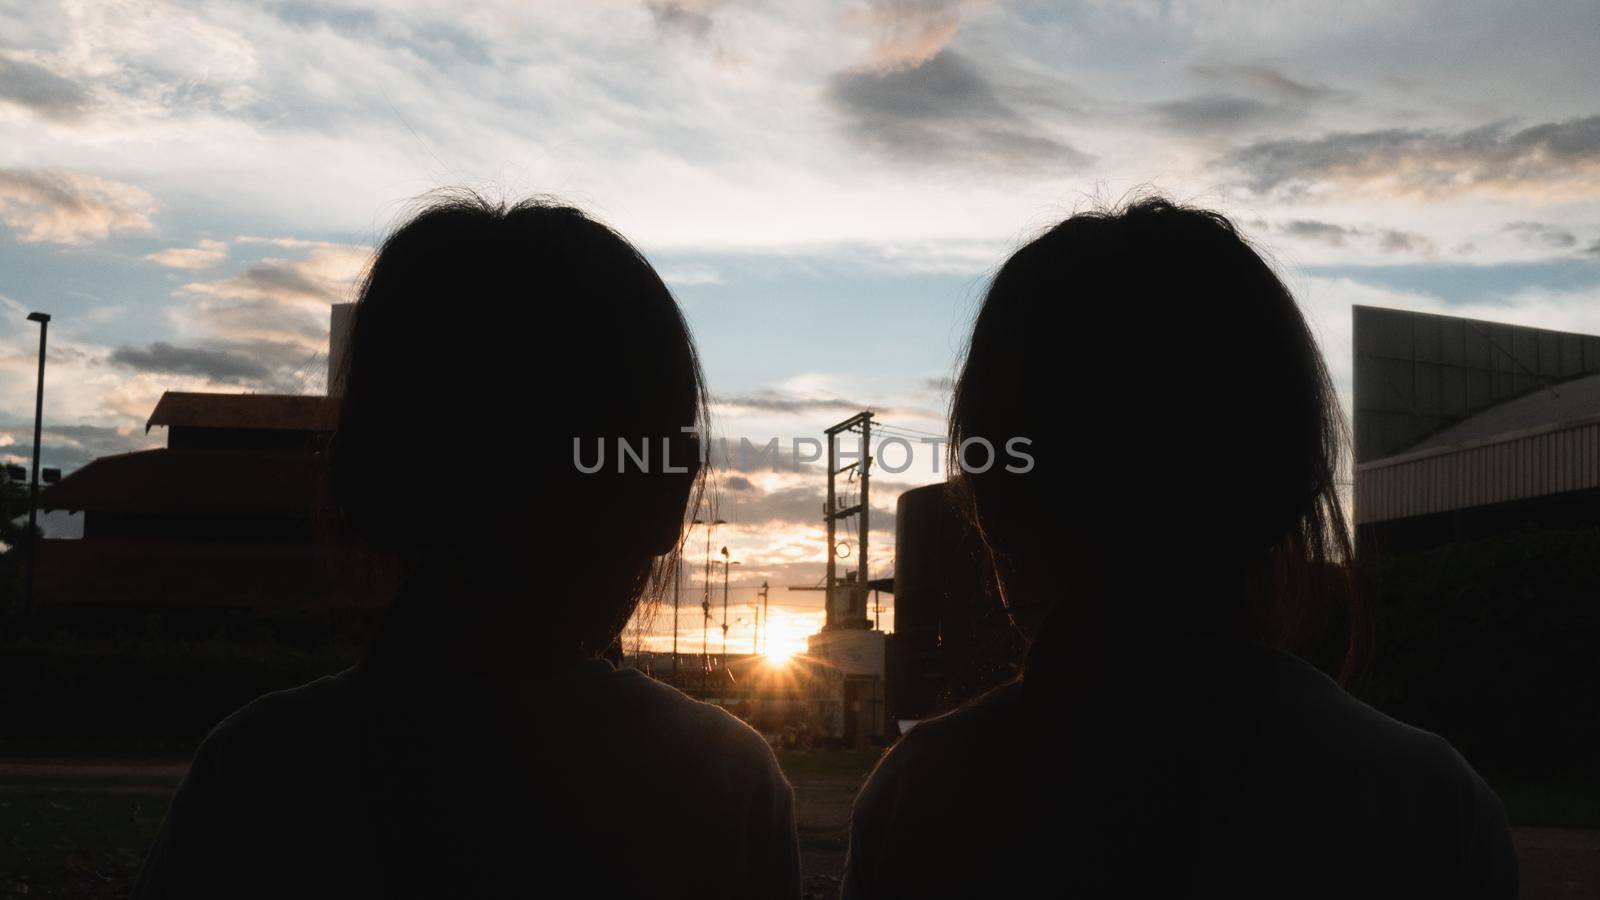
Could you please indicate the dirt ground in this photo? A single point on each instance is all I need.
(77, 829)
(822, 816)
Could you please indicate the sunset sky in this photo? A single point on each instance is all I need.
(825, 185)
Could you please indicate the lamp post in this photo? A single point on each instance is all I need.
(762, 635)
(705, 599)
(33, 483)
(725, 565)
(677, 586)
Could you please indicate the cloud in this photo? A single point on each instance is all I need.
(1549, 161)
(1543, 235)
(206, 253)
(1219, 112)
(1262, 81)
(690, 274)
(943, 112)
(156, 59)
(683, 17)
(275, 300)
(226, 366)
(793, 500)
(1247, 96)
(1324, 232)
(41, 91)
(907, 33)
(279, 367)
(692, 21)
(1389, 240)
(769, 401)
(60, 207)
(68, 446)
(1393, 241)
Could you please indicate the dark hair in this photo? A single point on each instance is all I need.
(487, 340)
(1179, 413)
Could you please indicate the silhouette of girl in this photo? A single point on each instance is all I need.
(1178, 534)
(484, 748)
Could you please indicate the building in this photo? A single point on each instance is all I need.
(232, 512)
(1465, 429)
(848, 657)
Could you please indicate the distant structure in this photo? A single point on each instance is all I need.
(849, 653)
(1466, 428)
(952, 638)
(233, 512)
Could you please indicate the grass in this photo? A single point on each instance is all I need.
(72, 838)
(828, 763)
(1563, 801)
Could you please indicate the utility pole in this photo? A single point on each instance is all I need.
(761, 622)
(725, 565)
(859, 603)
(33, 484)
(705, 612)
(677, 588)
(705, 598)
(849, 611)
(828, 515)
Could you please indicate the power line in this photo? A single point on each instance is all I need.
(911, 432)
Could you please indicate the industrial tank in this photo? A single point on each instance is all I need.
(952, 639)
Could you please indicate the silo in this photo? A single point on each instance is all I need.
(952, 639)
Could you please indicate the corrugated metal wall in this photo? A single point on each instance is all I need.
(1415, 373)
(1529, 465)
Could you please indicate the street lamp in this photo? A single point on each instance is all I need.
(705, 599)
(677, 587)
(725, 565)
(33, 484)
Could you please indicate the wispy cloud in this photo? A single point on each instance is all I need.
(907, 33)
(1541, 234)
(787, 403)
(276, 300)
(1387, 240)
(248, 365)
(1222, 113)
(690, 274)
(61, 207)
(683, 17)
(1262, 81)
(203, 255)
(944, 112)
(38, 90)
(1549, 161)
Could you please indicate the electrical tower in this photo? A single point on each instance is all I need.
(847, 598)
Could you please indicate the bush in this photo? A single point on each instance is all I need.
(1493, 644)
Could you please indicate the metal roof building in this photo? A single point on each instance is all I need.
(1466, 428)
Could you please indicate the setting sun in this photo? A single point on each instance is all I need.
(787, 633)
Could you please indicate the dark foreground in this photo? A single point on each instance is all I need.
(77, 828)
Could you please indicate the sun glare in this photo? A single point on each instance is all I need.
(787, 638)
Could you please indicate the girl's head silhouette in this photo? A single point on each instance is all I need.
(493, 347)
(1184, 430)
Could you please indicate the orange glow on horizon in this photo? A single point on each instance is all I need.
(786, 637)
